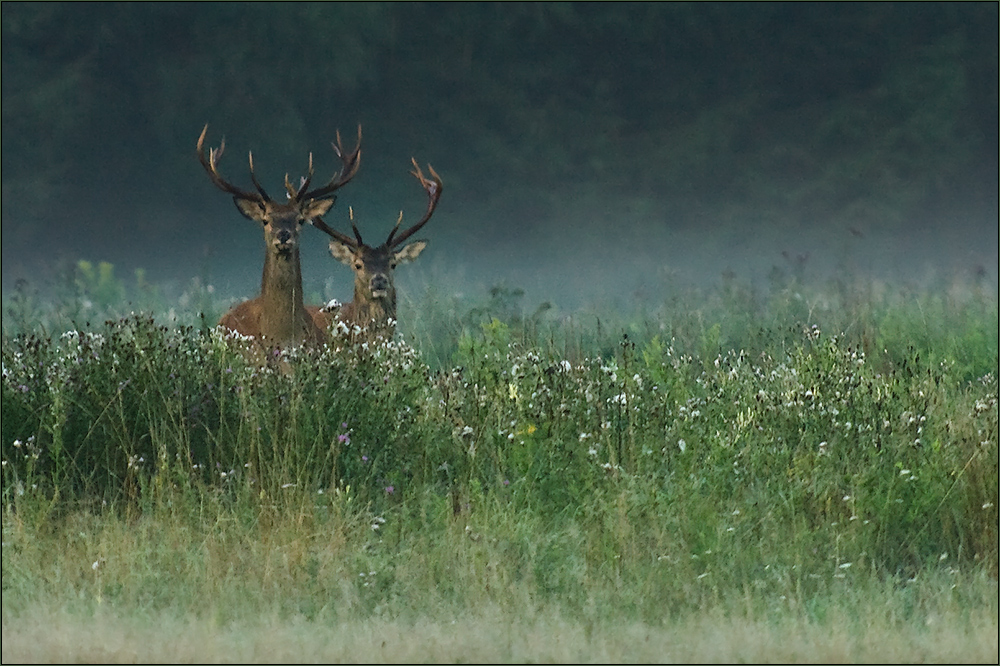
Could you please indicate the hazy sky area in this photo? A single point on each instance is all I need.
(587, 150)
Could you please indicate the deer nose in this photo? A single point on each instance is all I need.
(380, 282)
(284, 236)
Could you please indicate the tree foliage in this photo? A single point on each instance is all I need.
(865, 113)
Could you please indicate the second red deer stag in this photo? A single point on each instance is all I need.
(277, 318)
(374, 304)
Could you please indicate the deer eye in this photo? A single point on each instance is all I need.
(358, 265)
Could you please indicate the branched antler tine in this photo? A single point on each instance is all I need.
(399, 220)
(350, 163)
(215, 154)
(336, 235)
(354, 227)
(200, 147)
(338, 146)
(211, 162)
(433, 188)
(305, 181)
(256, 183)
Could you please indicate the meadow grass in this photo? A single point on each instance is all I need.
(866, 630)
(804, 474)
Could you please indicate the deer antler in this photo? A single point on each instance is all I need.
(351, 161)
(355, 242)
(433, 188)
(333, 233)
(253, 177)
(211, 164)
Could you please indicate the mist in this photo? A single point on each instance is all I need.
(591, 154)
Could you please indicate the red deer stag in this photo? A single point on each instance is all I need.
(278, 317)
(374, 304)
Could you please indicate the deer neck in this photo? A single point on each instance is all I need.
(283, 317)
(369, 310)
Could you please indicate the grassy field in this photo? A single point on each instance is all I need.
(867, 629)
(803, 473)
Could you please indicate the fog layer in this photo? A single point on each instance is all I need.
(589, 151)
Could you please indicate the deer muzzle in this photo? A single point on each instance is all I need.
(284, 241)
(379, 285)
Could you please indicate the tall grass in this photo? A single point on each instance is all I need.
(733, 458)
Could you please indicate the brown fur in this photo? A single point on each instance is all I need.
(374, 304)
(277, 318)
(373, 309)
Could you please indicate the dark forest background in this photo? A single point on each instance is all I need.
(584, 147)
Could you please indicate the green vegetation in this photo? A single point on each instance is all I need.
(798, 472)
(765, 466)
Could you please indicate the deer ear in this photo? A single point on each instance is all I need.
(342, 253)
(410, 252)
(251, 209)
(316, 208)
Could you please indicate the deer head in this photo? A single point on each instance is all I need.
(278, 317)
(374, 301)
